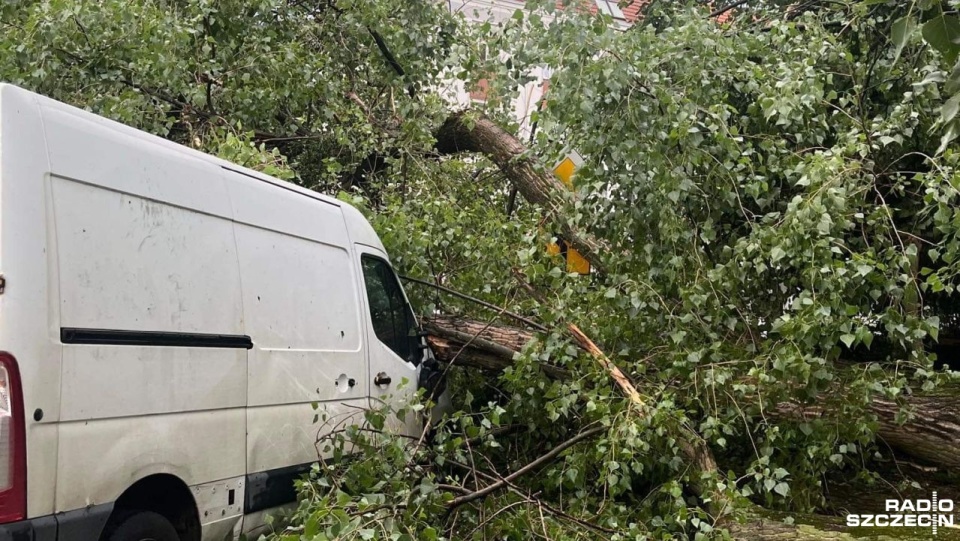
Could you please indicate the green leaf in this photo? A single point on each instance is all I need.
(949, 109)
(848, 339)
(943, 33)
(952, 85)
(310, 528)
(900, 33)
(782, 489)
(934, 330)
(949, 134)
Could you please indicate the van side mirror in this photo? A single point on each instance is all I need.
(418, 345)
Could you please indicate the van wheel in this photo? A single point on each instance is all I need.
(143, 526)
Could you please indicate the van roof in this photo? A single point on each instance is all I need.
(176, 147)
(359, 229)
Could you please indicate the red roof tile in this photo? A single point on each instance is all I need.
(632, 10)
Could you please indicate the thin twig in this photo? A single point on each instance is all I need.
(723, 10)
(528, 498)
(543, 459)
(485, 304)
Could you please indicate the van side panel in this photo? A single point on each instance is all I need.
(298, 295)
(100, 459)
(92, 150)
(28, 326)
(136, 264)
(147, 263)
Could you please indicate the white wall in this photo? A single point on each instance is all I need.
(485, 10)
(528, 97)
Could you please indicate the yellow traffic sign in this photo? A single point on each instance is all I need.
(565, 171)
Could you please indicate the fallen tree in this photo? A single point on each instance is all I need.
(931, 432)
(757, 197)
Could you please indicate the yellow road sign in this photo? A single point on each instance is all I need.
(565, 171)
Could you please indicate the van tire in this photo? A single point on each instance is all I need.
(143, 526)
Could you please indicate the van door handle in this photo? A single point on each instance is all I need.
(382, 379)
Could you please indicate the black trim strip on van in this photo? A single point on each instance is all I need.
(111, 337)
(272, 488)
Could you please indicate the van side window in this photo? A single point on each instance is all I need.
(392, 319)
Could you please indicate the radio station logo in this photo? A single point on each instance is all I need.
(931, 513)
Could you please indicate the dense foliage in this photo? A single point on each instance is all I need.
(778, 195)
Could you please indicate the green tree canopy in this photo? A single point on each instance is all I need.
(776, 195)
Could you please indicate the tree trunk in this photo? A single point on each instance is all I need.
(772, 528)
(463, 132)
(932, 435)
(505, 336)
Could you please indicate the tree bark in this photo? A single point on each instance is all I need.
(463, 132)
(468, 343)
(512, 338)
(772, 528)
(931, 435)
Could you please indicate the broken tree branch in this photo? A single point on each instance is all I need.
(618, 376)
(727, 8)
(516, 490)
(471, 132)
(694, 448)
(584, 341)
(446, 339)
(931, 434)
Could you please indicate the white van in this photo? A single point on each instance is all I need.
(167, 321)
